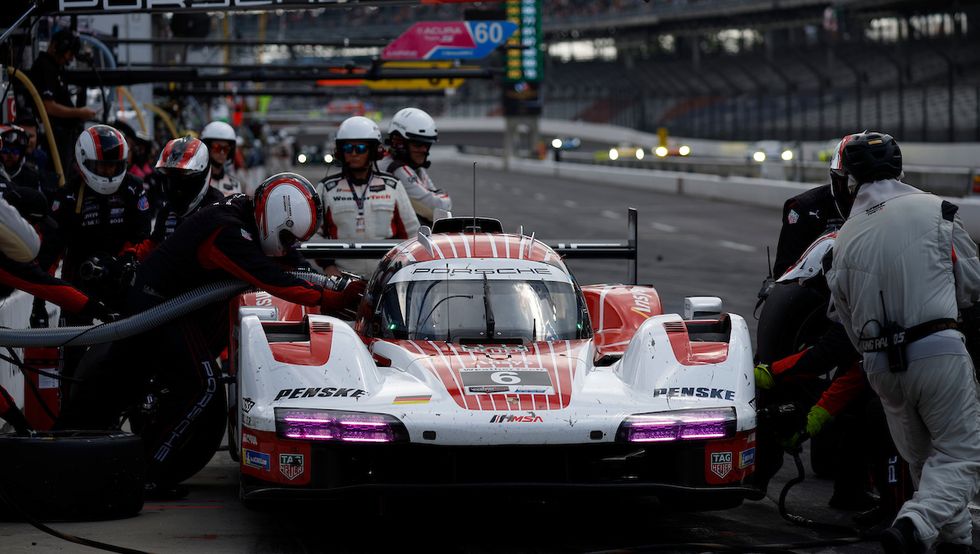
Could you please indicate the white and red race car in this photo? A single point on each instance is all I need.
(476, 360)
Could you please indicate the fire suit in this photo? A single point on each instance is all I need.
(19, 242)
(19, 246)
(92, 224)
(227, 184)
(216, 243)
(805, 218)
(904, 263)
(167, 221)
(376, 209)
(425, 197)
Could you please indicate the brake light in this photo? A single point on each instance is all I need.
(704, 424)
(336, 425)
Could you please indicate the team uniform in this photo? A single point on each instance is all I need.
(904, 259)
(217, 243)
(805, 217)
(425, 197)
(91, 224)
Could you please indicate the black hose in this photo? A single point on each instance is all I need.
(136, 324)
(854, 535)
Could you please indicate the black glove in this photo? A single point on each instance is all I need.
(39, 315)
(97, 310)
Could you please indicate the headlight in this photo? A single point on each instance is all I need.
(328, 158)
(613, 154)
(787, 155)
(684, 150)
(661, 152)
(337, 425)
(301, 158)
(759, 156)
(556, 143)
(711, 423)
(639, 153)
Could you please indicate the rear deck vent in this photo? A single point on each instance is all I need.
(675, 327)
(321, 327)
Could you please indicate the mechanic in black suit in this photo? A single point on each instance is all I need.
(48, 75)
(805, 217)
(236, 238)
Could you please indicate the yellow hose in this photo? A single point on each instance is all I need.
(136, 107)
(48, 132)
(165, 117)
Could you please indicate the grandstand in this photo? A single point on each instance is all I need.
(728, 69)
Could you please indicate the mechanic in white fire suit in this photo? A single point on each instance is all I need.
(902, 267)
(411, 134)
(362, 203)
(220, 138)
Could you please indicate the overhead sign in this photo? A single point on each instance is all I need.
(524, 58)
(449, 40)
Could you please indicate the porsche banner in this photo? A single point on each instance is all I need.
(133, 6)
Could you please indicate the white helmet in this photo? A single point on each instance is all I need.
(186, 167)
(414, 124)
(102, 155)
(358, 128)
(218, 130)
(287, 211)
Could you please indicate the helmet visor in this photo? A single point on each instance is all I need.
(182, 187)
(106, 168)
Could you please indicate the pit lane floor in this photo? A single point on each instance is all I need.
(687, 247)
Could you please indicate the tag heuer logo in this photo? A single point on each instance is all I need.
(247, 405)
(291, 465)
(721, 464)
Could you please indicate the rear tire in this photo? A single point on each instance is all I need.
(72, 475)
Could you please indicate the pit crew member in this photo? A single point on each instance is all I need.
(220, 139)
(361, 203)
(902, 267)
(411, 134)
(237, 238)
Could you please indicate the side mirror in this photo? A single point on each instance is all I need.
(702, 307)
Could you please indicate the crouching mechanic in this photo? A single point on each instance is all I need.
(411, 134)
(362, 203)
(237, 238)
(902, 267)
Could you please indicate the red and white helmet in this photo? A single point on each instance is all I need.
(186, 168)
(102, 155)
(287, 211)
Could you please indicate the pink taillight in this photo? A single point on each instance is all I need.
(680, 425)
(331, 425)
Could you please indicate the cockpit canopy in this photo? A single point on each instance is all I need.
(482, 301)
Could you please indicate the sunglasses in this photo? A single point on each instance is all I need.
(219, 147)
(359, 148)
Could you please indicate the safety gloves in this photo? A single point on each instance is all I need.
(763, 377)
(815, 420)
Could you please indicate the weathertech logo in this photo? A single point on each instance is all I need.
(507, 418)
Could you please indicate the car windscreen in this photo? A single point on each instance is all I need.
(465, 310)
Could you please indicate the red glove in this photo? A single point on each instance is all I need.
(348, 298)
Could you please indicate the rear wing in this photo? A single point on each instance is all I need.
(568, 249)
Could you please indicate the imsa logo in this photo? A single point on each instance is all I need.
(721, 464)
(291, 465)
